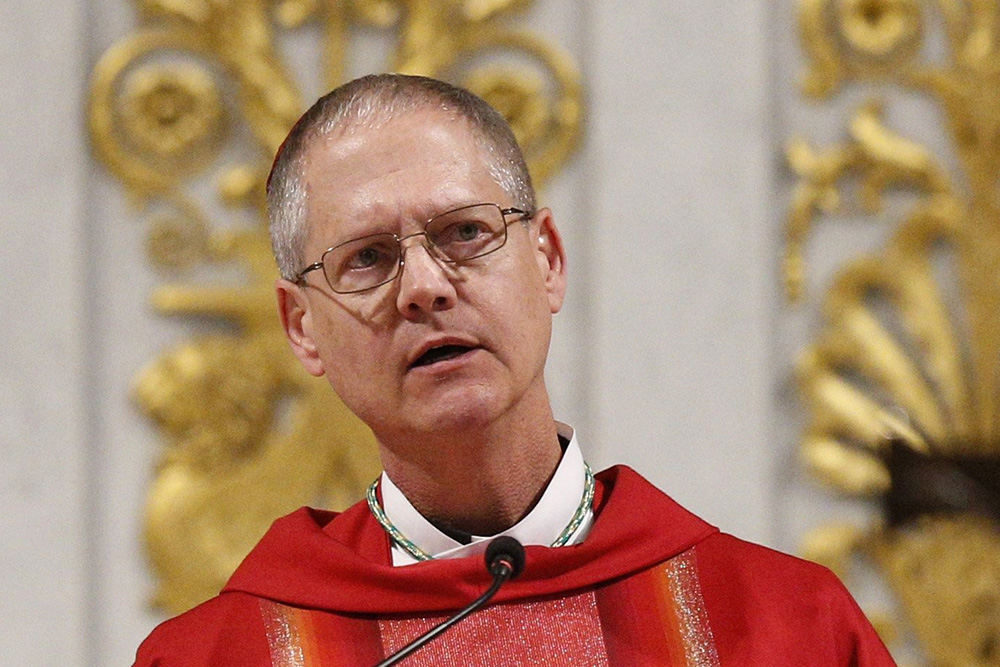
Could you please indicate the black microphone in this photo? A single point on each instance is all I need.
(504, 560)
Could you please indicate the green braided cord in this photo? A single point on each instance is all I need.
(394, 533)
(581, 511)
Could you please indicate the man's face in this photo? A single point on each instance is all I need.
(443, 347)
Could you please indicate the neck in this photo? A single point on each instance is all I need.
(480, 481)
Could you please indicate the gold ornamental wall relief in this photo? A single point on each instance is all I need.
(902, 384)
(187, 112)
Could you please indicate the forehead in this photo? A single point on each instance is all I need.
(395, 172)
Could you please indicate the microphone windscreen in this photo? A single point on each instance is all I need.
(506, 548)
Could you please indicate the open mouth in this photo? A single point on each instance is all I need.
(441, 353)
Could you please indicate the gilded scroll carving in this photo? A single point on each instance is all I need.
(902, 385)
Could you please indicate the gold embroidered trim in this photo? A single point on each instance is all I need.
(695, 629)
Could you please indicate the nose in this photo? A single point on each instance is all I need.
(424, 285)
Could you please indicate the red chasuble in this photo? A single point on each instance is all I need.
(651, 585)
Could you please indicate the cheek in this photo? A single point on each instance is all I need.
(359, 375)
(339, 351)
(524, 316)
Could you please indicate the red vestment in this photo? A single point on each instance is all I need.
(651, 585)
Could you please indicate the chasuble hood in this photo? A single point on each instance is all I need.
(341, 561)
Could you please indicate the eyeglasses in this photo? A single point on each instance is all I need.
(459, 235)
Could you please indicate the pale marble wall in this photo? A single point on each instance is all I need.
(664, 357)
(45, 415)
(682, 251)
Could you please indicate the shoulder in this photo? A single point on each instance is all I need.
(762, 564)
(789, 604)
(221, 631)
(743, 571)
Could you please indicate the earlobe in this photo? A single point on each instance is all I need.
(296, 318)
(551, 258)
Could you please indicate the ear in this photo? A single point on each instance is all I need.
(551, 258)
(296, 318)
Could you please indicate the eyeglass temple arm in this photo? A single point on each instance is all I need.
(312, 267)
(522, 214)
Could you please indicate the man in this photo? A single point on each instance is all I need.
(420, 279)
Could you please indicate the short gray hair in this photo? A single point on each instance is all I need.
(375, 99)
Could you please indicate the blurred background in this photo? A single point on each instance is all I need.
(781, 224)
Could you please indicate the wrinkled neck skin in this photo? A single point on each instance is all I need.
(482, 479)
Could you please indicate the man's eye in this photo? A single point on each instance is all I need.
(468, 231)
(462, 232)
(366, 258)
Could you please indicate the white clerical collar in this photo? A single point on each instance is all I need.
(542, 525)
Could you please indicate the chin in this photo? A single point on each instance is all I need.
(465, 410)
